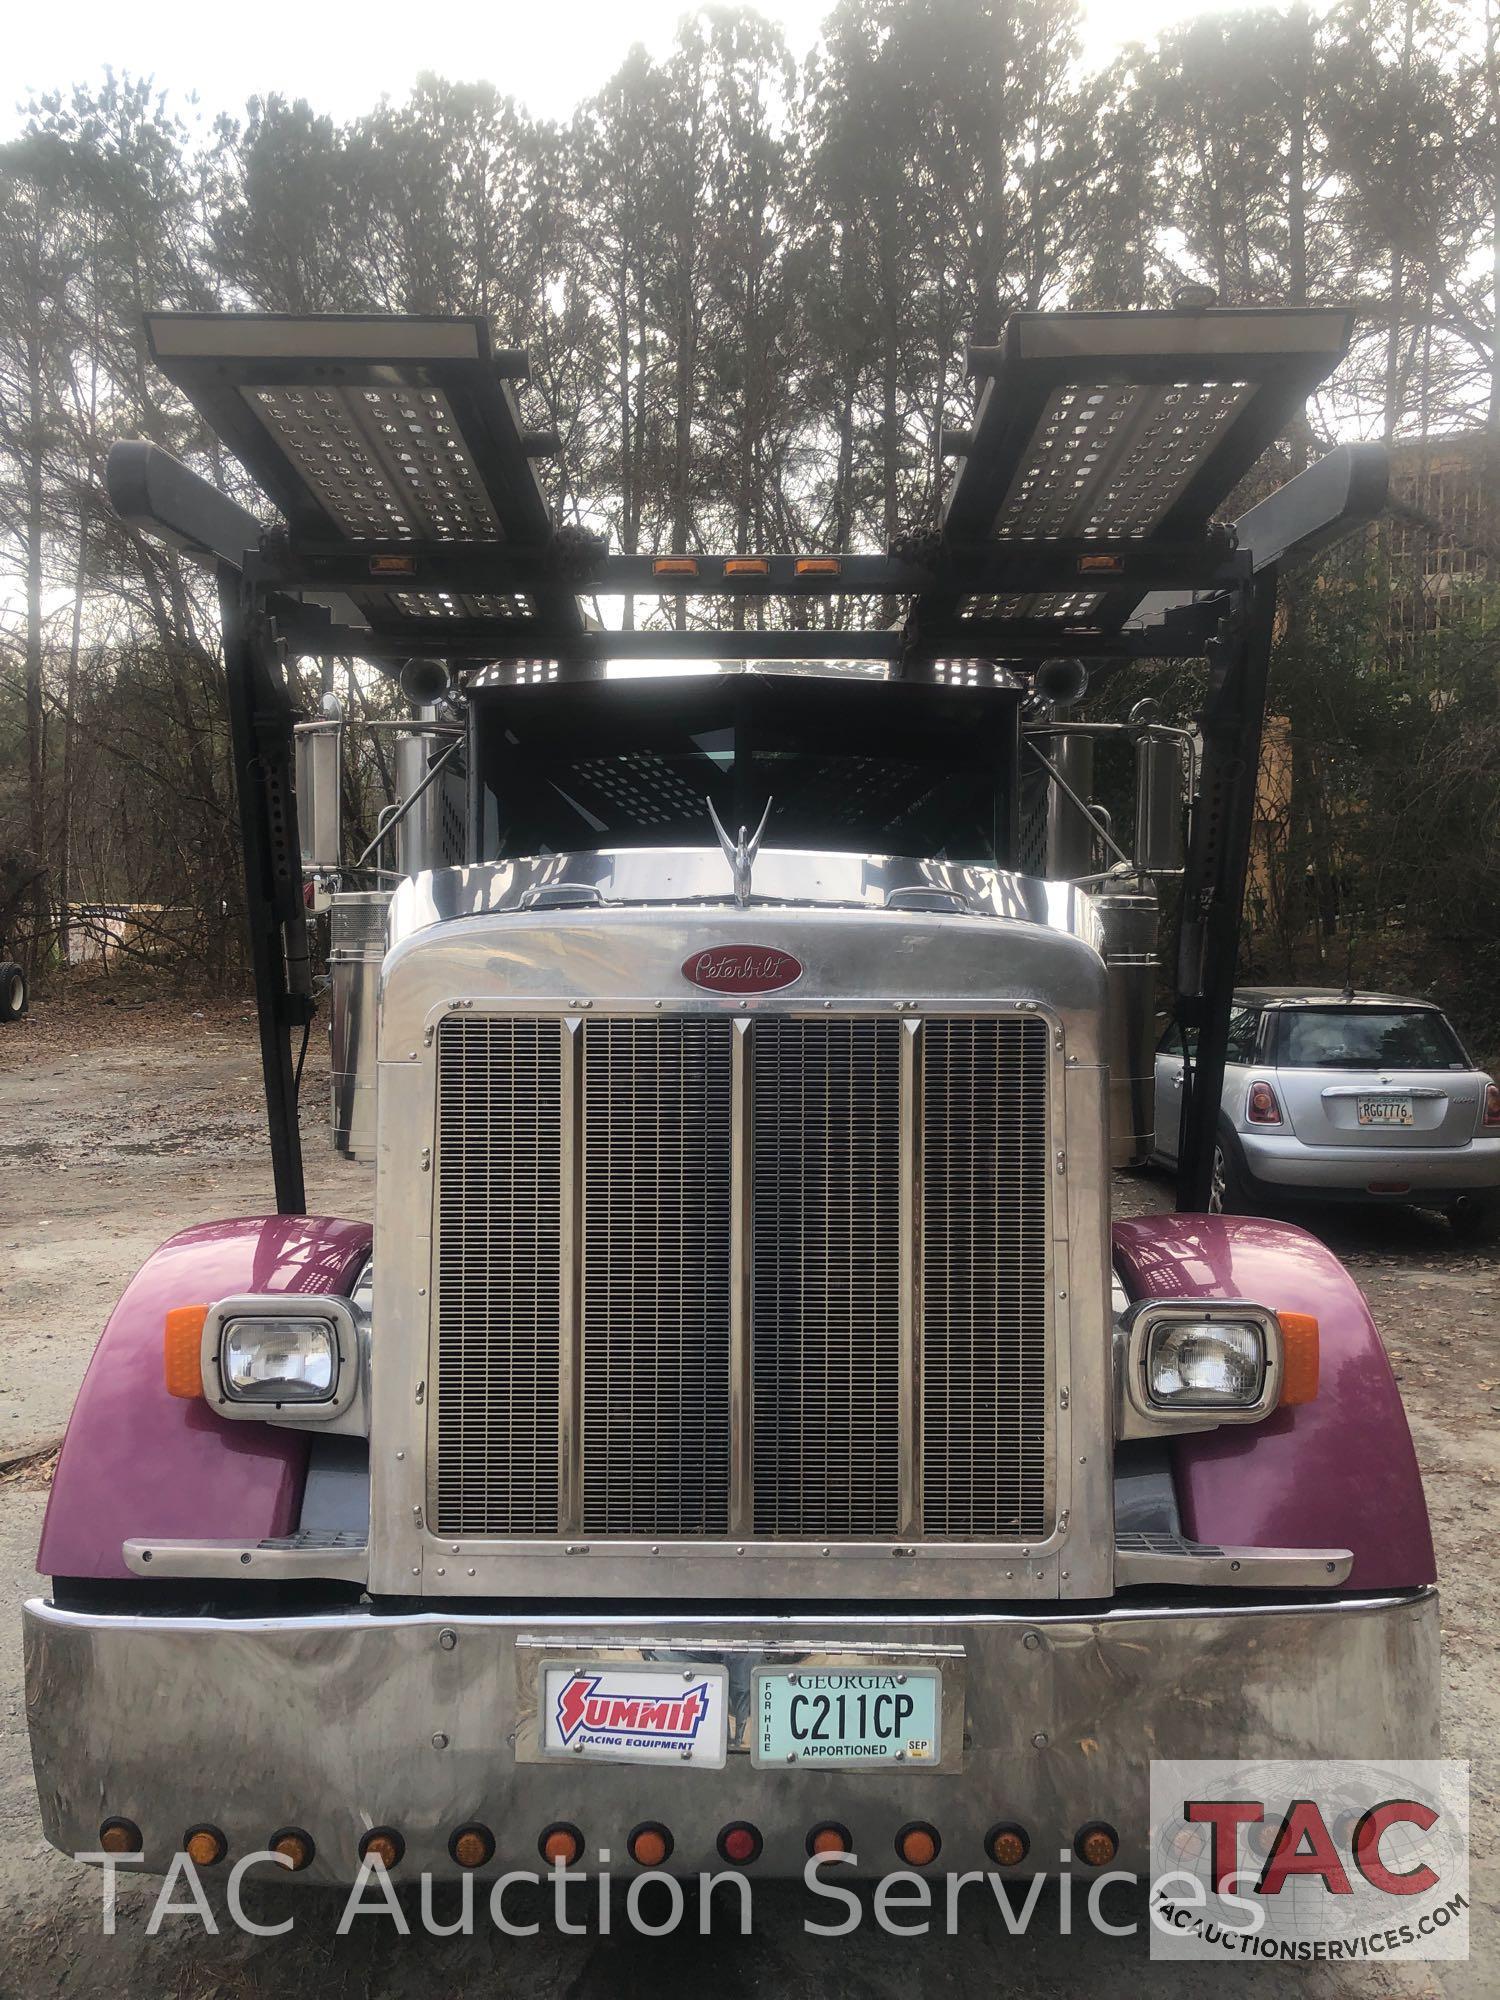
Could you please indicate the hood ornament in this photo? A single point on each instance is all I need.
(741, 853)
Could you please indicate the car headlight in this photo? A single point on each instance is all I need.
(1193, 1364)
(1205, 1364)
(291, 1360)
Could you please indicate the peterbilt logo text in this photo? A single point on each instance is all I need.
(742, 968)
(585, 1704)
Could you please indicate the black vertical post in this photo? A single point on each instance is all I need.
(1213, 889)
(260, 734)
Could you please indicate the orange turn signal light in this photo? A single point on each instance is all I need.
(818, 566)
(649, 1844)
(204, 1846)
(1300, 1348)
(182, 1350)
(472, 1845)
(294, 1846)
(560, 1842)
(119, 1836)
(674, 566)
(1007, 1845)
(1096, 1843)
(828, 1837)
(385, 1844)
(918, 1844)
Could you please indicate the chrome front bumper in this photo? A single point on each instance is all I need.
(340, 1722)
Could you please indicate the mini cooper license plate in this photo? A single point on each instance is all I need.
(847, 1715)
(1384, 1111)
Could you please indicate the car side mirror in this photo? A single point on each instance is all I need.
(1160, 794)
(317, 769)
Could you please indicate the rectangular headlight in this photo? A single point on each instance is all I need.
(290, 1360)
(1209, 1364)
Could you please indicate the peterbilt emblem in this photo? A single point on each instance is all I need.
(742, 968)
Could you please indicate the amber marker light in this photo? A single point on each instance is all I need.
(829, 1837)
(746, 566)
(674, 566)
(182, 1350)
(1097, 1844)
(1300, 1357)
(818, 566)
(649, 1844)
(204, 1846)
(472, 1845)
(559, 1842)
(1101, 565)
(918, 1844)
(740, 1842)
(294, 1846)
(1007, 1845)
(385, 1844)
(119, 1836)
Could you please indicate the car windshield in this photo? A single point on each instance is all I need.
(1367, 1038)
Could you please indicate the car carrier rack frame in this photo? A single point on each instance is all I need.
(1082, 521)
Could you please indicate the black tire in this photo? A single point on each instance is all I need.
(1476, 1218)
(1229, 1193)
(12, 991)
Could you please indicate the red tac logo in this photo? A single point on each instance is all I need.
(742, 968)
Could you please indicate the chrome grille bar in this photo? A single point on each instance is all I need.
(498, 1310)
(655, 1294)
(826, 1273)
(985, 1432)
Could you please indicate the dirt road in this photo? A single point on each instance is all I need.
(120, 1124)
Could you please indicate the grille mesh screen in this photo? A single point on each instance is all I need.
(656, 1190)
(498, 1276)
(984, 1237)
(825, 1318)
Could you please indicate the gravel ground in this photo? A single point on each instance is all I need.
(121, 1123)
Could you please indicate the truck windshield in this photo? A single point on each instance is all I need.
(1368, 1038)
(855, 767)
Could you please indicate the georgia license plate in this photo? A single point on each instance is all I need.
(847, 1715)
(1384, 1111)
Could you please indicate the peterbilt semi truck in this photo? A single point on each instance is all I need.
(744, 1433)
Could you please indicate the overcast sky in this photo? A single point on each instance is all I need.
(547, 53)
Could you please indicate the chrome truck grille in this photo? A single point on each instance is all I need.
(701, 1277)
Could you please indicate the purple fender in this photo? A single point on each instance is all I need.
(137, 1461)
(1338, 1472)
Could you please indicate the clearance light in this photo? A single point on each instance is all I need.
(1007, 1845)
(471, 1846)
(393, 565)
(559, 1842)
(182, 1351)
(295, 1847)
(674, 566)
(918, 1844)
(1492, 1104)
(1300, 1355)
(740, 1842)
(828, 1837)
(817, 566)
(385, 1844)
(1101, 565)
(650, 1844)
(1261, 1106)
(1096, 1843)
(204, 1846)
(119, 1836)
(746, 566)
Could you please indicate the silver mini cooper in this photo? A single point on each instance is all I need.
(1343, 1096)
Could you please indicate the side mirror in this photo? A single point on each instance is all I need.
(318, 756)
(1160, 794)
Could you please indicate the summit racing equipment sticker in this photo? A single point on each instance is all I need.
(637, 1715)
